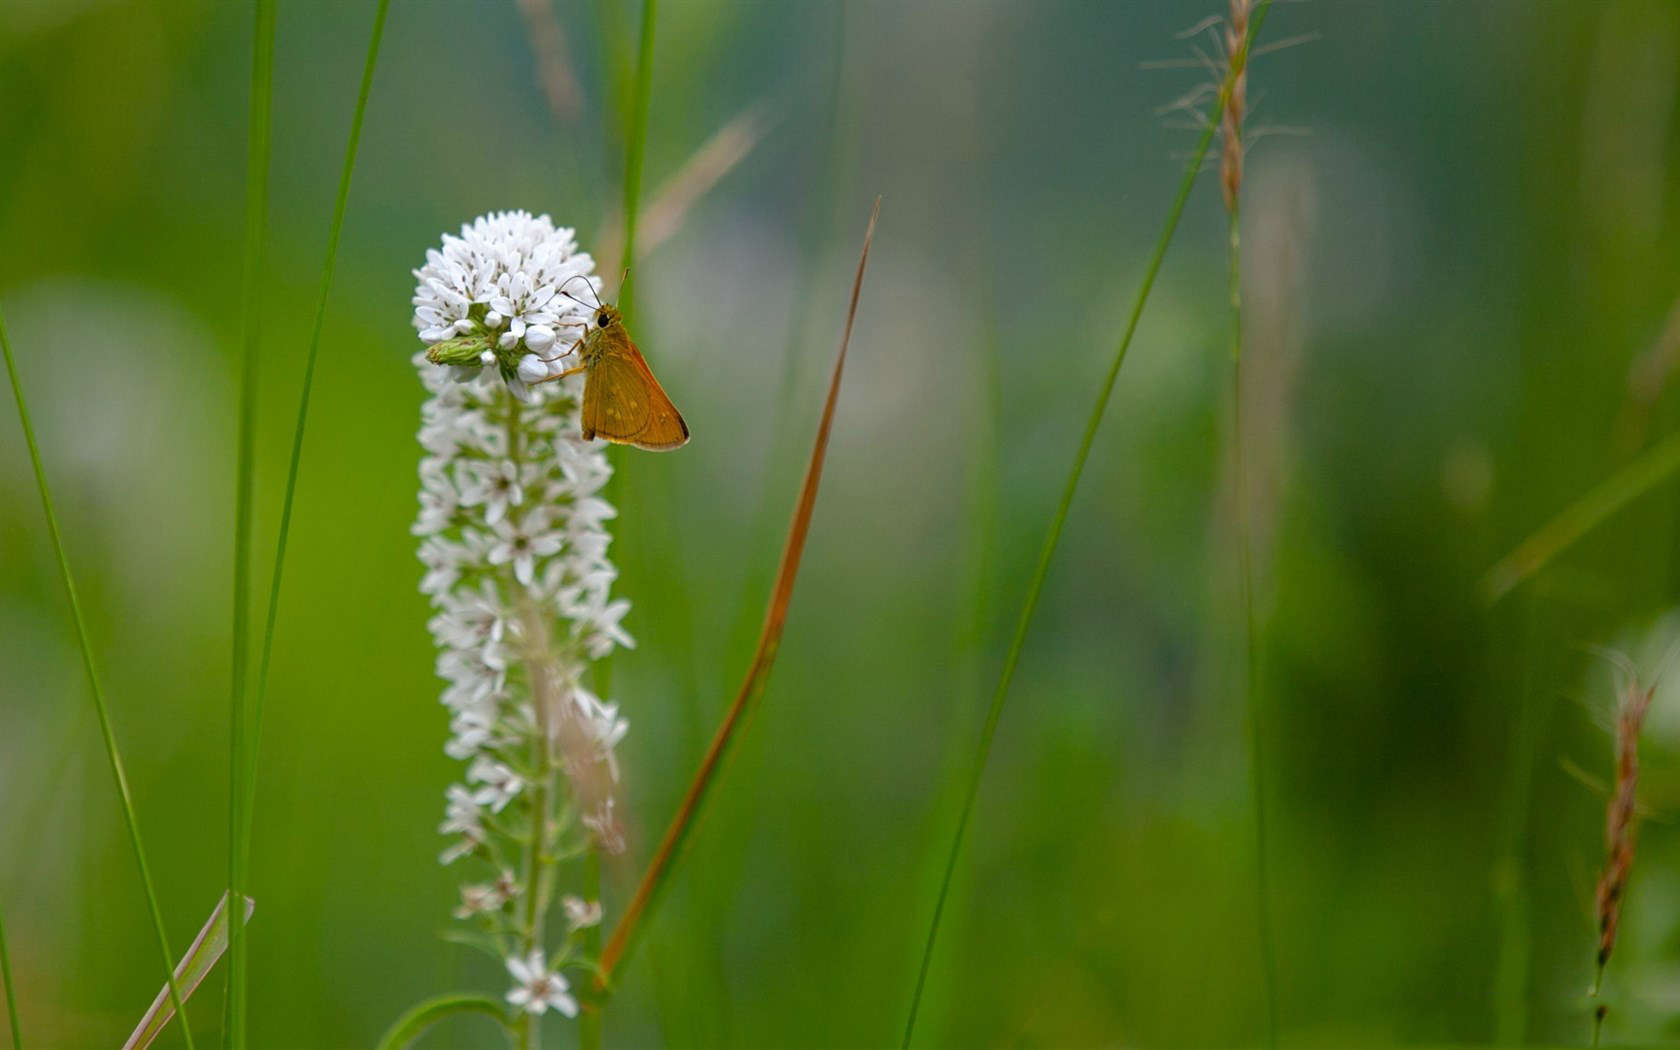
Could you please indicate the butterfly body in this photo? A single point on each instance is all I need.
(622, 401)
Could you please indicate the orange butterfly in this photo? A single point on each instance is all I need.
(622, 402)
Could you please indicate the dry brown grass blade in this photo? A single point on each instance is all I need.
(769, 640)
(554, 67)
(664, 214)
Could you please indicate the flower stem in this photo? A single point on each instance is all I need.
(591, 1023)
(542, 761)
(1058, 520)
(124, 796)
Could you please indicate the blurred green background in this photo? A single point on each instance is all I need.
(1459, 254)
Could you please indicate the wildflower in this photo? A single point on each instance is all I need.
(580, 914)
(536, 989)
(501, 784)
(462, 817)
(477, 899)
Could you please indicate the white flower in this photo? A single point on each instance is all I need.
(603, 726)
(608, 834)
(462, 817)
(480, 898)
(522, 542)
(580, 913)
(536, 990)
(469, 733)
(501, 784)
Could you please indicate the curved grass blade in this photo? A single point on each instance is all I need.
(412, 1025)
(334, 234)
(11, 992)
(256, 220)
(1581, 517)
(112, 755)
(1054, 535)
(196, 965)
(758, 674)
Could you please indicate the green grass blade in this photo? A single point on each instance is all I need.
(112, 755)
(196, 965)
(11, 992)
(256, 218)
(1581, 517)
(333, 236)
(636, 149)
(1054, 535)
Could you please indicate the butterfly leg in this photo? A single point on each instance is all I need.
(561, 375)
(572, 349)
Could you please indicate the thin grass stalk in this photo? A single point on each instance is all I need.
(636, 149)
(112, 755)
(256, 215)
(634, 155)
(591, 1028)
(1231, 174)
(334, 234)
(1053, 536)
(764, 656)
(11, 992)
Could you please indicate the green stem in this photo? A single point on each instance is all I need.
(1251, 647)
(529, 1035)
(11, 992)
(333, 235)
(256, 215)
(590, 1025)
(1054, 535)
(111, 753)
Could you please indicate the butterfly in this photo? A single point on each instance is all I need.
(622, 401)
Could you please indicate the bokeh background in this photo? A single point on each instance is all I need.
(1460, 262)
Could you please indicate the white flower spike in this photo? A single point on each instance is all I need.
(512, 534)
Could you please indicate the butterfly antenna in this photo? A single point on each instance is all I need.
(587, 283)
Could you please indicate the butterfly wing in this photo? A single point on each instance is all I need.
(624, 403)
